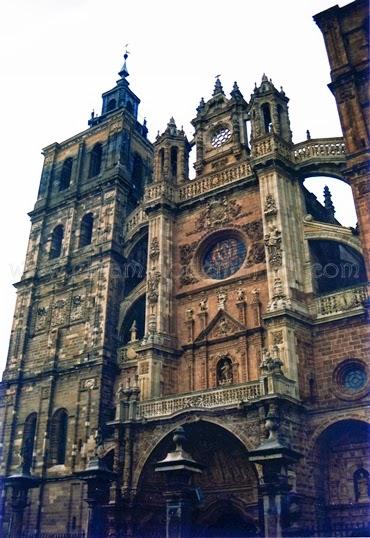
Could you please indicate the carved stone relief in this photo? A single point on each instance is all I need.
(273, 245)
(270, 209)
(186, 255)
(254, 230)
(218, 212)
(256, 254)
(154, 249)
(152, 286)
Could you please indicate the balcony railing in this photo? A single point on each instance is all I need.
(209, 399)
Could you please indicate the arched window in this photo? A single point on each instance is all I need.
(174, 161)
(266, 113)
(28, 441)
(58, 437)
(65, 175)
(56, 242)
(111, 105)
(86, 230)
(130, 107)
(95, 160)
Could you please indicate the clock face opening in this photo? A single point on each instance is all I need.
(223, 258)
(220, 137)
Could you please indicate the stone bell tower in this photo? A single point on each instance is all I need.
(283, 207)
(220, 130)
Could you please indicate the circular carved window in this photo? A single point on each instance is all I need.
(220, 137)
(224, 257)
(351, 379)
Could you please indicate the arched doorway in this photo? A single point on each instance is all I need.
(228, 486)
(341, 473)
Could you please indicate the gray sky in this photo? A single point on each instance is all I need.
(58, 56)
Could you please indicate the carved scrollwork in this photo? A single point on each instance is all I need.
(254, 230)
(256, 254)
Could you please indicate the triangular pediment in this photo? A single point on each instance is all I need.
(223, 324)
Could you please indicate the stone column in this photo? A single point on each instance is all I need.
(179, 467)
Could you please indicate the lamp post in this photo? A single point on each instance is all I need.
(98, 477)
(274, 458)
(20, 482)
(179, 468)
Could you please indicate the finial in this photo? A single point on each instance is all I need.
(218, 86)
(179, 438)
(329, 206)
(235, 92)
(124, 73)
(264, 78)
(201, 105)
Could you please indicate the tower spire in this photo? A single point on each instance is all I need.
(123, 72)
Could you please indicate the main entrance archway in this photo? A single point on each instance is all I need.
(228, 486)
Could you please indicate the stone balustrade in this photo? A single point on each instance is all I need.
(230, 395)
(341, 301)
(136, 219)
(207, 183)
(319, 149)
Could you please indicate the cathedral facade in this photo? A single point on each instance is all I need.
(190, 357)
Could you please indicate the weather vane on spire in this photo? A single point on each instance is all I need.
(124, 73)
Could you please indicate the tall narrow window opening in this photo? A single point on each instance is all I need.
(56, 242)
(28, 441)
(58, 437)
(95, 160)
(86, 230)
(65, 175)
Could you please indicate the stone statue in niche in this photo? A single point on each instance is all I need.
(203, 305)
(361, 484)
(224, 371)
(221, 299)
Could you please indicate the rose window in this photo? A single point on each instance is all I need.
(224, 258)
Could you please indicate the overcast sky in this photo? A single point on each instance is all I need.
(58, 56)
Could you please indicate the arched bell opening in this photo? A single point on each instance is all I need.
(228, 486)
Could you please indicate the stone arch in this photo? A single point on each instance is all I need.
(183, 421)
(340, 236)
(226, 467)
(339, 453)
(135, 294)
(330, 421)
